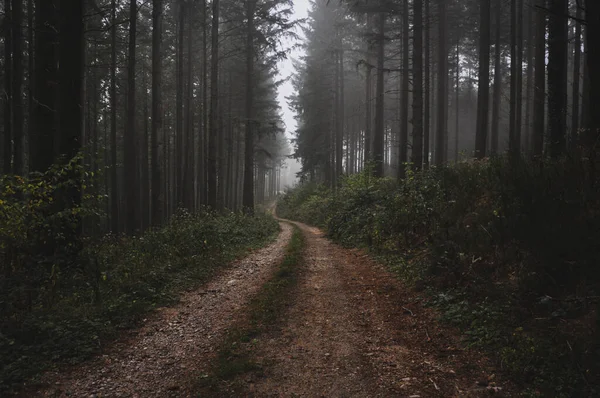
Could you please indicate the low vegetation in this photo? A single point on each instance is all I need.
(507, 252)
(62, 299)
(235, 357)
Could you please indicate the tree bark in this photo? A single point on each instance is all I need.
(378, 141)
(403, 159)
(483, 100)
(43, 116)
(442, 92)
(8, 66)
(213, 135)
(557, 75)
(427, 88)
(248, 195)
(539, 93)
(130, 164)
(573, 142)
(17, 86)
(417, 149)
(497, 81)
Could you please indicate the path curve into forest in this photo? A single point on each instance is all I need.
(355, 331)
(176, 345)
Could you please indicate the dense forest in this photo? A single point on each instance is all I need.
(459, 146)
(431, 82)
(456, 141)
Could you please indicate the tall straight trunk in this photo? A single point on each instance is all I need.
(427, 88)
(457, 102)
(43, 113)
(158, 160)
(248, 195)
(529, 87)
(213, 135)
(403, 158)
(576, 82)
(30, 76)
(204, 126)
(417, 149)
(114, 192)
(592, 15)
(519, 94)
(188, 172)
(483, 99)
(539, 94)
(130, 164)
(378, 136)
(514, 141)
(71, 74)
(557, 75)
(442, 92)
(17, 86)
(497, 81)
(144, 160)
(339, 140)
(369, 90)
(8, 72)
(179, 91)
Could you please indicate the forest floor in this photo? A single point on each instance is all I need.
(350, 330)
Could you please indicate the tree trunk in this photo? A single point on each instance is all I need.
(573, 142)
(43, 116)
(8, 66)
(417, 149)
(179, 90)
(378, 141)
(514, 141)
(130, 164)
(213, 135)
(427, 88)
(158, 161)
(497, 81)
(403, 156)
(483, 99)
(248, 195)
(592, 15)
(17, 86)
(557, 75)
(369, 89)
(188, 171)
(539, 94)
(442, 92)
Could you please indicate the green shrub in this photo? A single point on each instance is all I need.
(494, 239)
(63, 296)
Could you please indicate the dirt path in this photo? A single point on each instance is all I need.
(175, 346)
(354, 331)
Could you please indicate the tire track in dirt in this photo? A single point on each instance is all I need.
(176, 345)
(355, 331)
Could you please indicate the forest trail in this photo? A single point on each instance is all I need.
(176, 344)
(351, 330)
(355, 331)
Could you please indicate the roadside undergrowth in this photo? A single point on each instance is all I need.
(115, 283)
(235, 357)
(507, 253)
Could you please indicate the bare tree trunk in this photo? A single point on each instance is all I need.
(8, 73)
(442, 95)
(114, 192)
(417, 149)
(404, 93)
(188, 171)
(483, 100)
(427, 99)
(213, 135)
(179, 91)
(158, 160)
(248, 195)
(557, 75)
(17, 89)
(378, 142)
(497, 81)
(369, 90)
(539, 94)
(43, 113)
(130, 164)
(573, 142)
